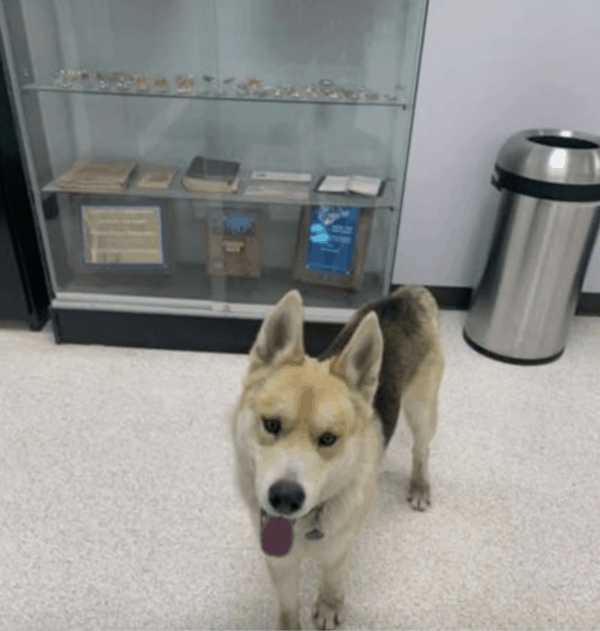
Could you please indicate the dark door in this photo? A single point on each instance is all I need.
(23, 293)
(13, 304)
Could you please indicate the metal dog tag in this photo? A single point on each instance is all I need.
(314, 532)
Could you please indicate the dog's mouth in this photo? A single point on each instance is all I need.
(277, 533)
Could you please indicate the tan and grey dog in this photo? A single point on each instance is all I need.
(310, 434)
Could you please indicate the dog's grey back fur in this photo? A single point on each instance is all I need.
(405, 321)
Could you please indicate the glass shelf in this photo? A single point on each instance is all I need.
(177, 191)
(380, 102)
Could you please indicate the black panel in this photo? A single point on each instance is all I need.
(13, 304)
(460, 298)
(452, 297)
(173, 332)
(588, 304)
(20, 256)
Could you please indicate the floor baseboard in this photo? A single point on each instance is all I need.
(460, 298)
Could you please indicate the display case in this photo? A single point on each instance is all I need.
(198, 158)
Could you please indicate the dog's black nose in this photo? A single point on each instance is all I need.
(286, 497)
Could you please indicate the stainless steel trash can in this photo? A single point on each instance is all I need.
(547, 223)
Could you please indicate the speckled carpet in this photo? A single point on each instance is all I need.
(118, 511)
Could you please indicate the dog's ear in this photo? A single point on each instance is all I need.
(280, 338)
(359, 362)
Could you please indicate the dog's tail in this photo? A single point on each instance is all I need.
(424, 298)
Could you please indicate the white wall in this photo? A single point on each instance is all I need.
(489, 69)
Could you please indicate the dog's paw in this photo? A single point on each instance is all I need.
(419, 495)
(288, 620)
(327, 615)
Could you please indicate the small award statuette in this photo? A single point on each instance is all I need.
(234, 245)
(141, 81)
(185, 84)
(160, 84)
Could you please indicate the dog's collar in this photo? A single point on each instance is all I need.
(315, 530)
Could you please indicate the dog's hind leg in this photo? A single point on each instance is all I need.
(420, 404)
(285, 576)
(327, 612)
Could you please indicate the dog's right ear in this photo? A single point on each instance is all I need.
(359, 362)
(281, 337)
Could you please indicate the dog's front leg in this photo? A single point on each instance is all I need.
(285, 575)
(327, 612)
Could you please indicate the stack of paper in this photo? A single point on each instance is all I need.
(97, 175)
(157, 178)
(277, 190)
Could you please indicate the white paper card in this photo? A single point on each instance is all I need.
(277, 176)
(364, 185)
(334, 184)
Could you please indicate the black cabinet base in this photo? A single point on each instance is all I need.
(219, 335)
(175, 332)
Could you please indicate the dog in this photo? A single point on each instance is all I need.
(310, 434)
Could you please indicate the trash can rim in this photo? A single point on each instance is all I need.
(552, 155)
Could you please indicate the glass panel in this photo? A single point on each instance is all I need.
(308, 138)
(159, 252)
(192, 269)
(313, 88)
(223, 43)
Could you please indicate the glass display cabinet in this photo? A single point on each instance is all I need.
(191, 160)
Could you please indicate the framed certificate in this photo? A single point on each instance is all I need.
(123, 235)
(331, 247)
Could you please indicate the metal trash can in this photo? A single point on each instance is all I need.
(547, 223)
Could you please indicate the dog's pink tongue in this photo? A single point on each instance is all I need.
(277, 536)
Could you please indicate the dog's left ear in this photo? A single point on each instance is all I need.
(360, 361)
(281, 337)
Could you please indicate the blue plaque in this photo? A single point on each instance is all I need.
(331, 239)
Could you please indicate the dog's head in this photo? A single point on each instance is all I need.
(304, 425)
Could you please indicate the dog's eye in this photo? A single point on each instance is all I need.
(327, 439)
(272, 425)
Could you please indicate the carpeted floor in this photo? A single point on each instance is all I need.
(117, 508)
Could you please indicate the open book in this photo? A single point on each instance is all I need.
(369, 186)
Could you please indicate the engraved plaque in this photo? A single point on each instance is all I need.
(122, 235)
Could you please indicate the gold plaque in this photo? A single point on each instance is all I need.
(122, 234)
